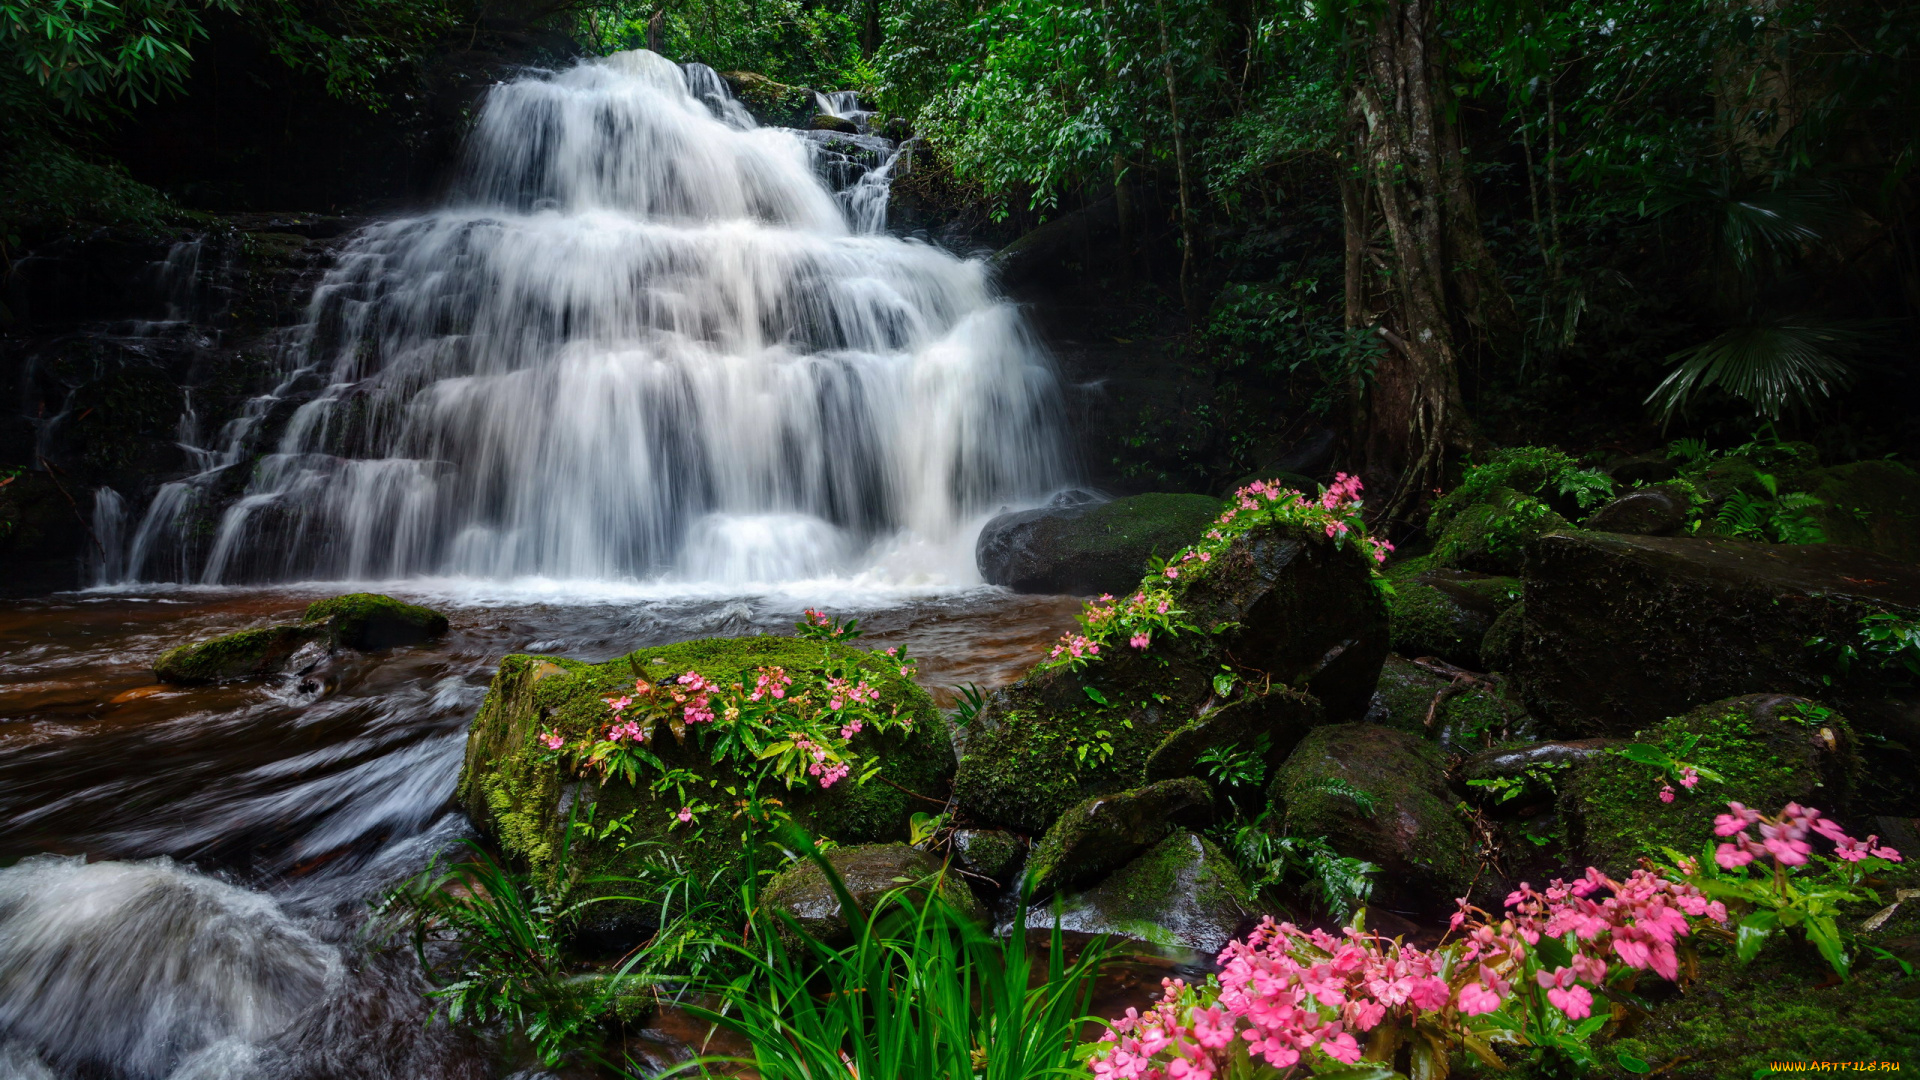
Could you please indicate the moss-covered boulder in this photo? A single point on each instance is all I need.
(1771, 749)
(1182, 892)
(1381, 795)
(1277, 719)
(1089, 547)
(522, 796)
(1281, 607)
(1623, 631)
(1446, 613)
(1491, 535)
(868, 871)
(1100, 835)
(243, 654)
(1467, 713)
(1868, 504)
(370, 621)
(1500, 648)
(770, 102)
(1661, 510)
(992, 853)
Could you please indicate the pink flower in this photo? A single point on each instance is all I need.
(1172, 572)
(1139, 641)
(1666, 793)
(1575, 1001)
(616, 704)
(1204, 557)
(1731, 857)
(1475, 999)
(1689, 778)
(552, 740)
(685, 815)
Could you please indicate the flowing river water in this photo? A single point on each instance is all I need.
(653, 373)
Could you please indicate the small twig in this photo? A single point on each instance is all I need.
(84, 523)
(915, 794)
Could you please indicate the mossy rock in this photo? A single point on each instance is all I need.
(1089, 547)
(1500, 648)
(523, 801)
(1281, 716)
(370, 621)
(991, 853)
(1869, 504)
(1428, 621)
(1183, 892)
(1405, 695)
(869, 871)
(1382, 795)
(243, 654)
(828, 122)
(1739, 1020)
(1491, 536)
(771, 102)
(1771, 749)
(1105, 832)
(1283, 605)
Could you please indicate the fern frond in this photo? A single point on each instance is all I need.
(1774, 366)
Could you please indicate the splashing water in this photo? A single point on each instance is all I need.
(647, 338)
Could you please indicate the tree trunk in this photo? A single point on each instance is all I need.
(1189, 289)
(1411, 181)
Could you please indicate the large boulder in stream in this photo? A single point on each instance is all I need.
(523, 794)
(365, 622)
(1107, 831)
(1182, 892)
(1079, 544)
(1624, 631)
(869, 872)
(1288, 630)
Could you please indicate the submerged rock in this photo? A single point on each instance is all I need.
(1083, 546)
(1771, 749)
(1182, 892)
(362, 621)
(1282, 607)
(826, 122)
(515, 791)
(1624, 631)
(869, 871)
(1381, 795)
(1106, 831)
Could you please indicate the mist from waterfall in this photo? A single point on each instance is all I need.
(645, 338)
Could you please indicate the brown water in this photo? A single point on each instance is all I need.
(280, 806)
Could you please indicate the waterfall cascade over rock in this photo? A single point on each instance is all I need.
(644, 338)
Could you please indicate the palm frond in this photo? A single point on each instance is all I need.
(1775, 366)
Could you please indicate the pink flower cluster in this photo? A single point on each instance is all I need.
(552, 740)
(1689, 779)
(828, 771)
(1075, 646)
(1784, 837)
(770, 682)
(628, 731)
(696, 697)
(1285, 992)
(840, 693)
(1638, 920)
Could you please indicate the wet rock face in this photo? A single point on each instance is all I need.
(1624, 631)
(1084, 546)
(869, 871)
(1652, 511)
(1447, 613)
(1181, 892)
(370, 621)
(1770, 749)
(243, 654)
(1107, 831)
(991, 853)
(1299, 627)
(1381, 795)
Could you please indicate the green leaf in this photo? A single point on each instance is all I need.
(1753, 933)
(1096, 695)
(1645, 754)
(1358, 1072)
(1632, 1064)
(1223, 684)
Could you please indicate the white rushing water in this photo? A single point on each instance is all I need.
(645, 339)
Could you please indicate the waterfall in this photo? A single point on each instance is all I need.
(645, 337)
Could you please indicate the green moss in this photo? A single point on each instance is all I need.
(524, 801)
(369, 621)
(1183, 891)
(238, 655)
(1428, 622)
(1491, 534)
(1766, 757)
(1101, 834)
(1406, 692)
(1158, 523)
(1500, 648)
(1380, 794)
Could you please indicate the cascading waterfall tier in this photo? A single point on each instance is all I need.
(645, 337)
